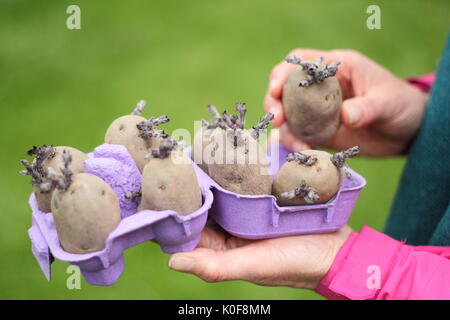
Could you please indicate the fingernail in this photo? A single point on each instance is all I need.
(181, 263)
(354, 115)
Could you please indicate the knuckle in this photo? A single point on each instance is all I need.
(368, 110)
(211, 273)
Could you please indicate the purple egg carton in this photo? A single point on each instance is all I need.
(250, 217)
(260, 217)
(174, 233)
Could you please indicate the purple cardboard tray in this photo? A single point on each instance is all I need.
(174, 233)
(259, 217)
(250, 217)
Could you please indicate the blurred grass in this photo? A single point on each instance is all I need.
(64, 87)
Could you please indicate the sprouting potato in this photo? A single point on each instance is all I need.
(85, 209)
(85, 214)
(137, 134)
(236, 168)
(312, 176)
(45, 157)
(234, 157)
(312, 100)
(169, 181)
(124, 131)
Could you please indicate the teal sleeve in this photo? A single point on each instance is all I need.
(441, 234)
(419, 213)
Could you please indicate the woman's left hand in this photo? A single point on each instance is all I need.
(297, 261)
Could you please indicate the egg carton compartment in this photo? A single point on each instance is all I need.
(260, 217)
(173, 232)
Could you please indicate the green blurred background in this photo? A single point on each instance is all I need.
(64, 87)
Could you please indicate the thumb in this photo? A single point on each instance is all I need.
(214, 266)
(359, 111)
(274, 106)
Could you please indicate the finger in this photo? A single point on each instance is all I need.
(275, 107)
(359, 111)
(345, 138)
(210, 223)
(278, 78)
(213, 266)
(290, 141)
(219, 240)
(212, 239)
(272, 100)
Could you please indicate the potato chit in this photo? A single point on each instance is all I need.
(312, 100)
(45, 157)
(236, 160)
(312, 176)
(85, 209)
(169, 181)
(137, 134)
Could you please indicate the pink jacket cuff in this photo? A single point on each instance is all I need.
(424, 82)
(371, 265)
(362, 254)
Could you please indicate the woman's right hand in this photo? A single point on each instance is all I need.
(381, 113)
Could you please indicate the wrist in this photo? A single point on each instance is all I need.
(422, 86)
(416, 104)
(338, 240)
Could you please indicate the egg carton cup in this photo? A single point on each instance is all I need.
(173, 232)
(260, 217)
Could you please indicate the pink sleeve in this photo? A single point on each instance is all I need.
(371, 265)
(424, 82)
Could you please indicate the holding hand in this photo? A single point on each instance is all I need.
(299, 262)
(381, 113)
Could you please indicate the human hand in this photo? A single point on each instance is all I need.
(381, 113)
(297, 261)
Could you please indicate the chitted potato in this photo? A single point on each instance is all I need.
(312, 100)
(85, 213)
(169, 181)
(234, 157)
(45, 157)
(241, 168)
(124, 131)
(137, 134)
(312, 176)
